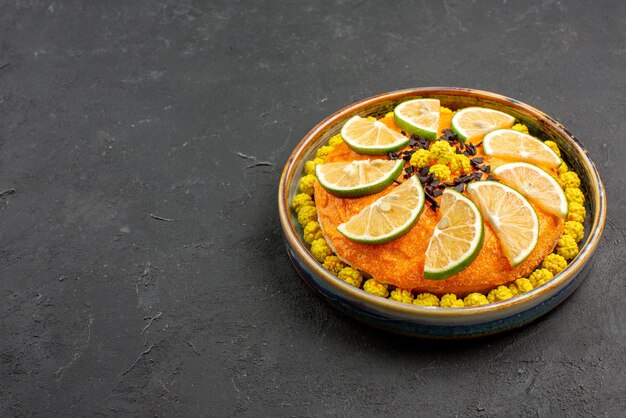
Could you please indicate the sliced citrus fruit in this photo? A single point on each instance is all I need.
(471, 123)
(387, 218)
(418, 117)
(371, 137)
(510, 215)
(457, 239)
(514, 145)
(358, 178)
(535, 184)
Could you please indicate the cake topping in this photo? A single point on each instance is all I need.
(358, 178)
(419, 117)
(371, 137)
(472, 123)
(511, 217)
(457, 238)
(535, 184)
(388, 217)
(516, 146)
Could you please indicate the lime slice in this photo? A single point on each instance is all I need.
(371, 137)
(457, 239)
(535, 184)
(358, 178)
(511, 217)
(471, 123)
(517, 146)
(419, 117)
(389, 217)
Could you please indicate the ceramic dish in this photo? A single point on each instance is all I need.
(440, 322)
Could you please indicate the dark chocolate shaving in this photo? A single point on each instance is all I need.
(448, 135)
(433, 203)
(477, 175)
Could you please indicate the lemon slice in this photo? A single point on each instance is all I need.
(535, 184)
(511, 217)
(517, 146)
(358, 178)
(457, 239)
(387, 218)
(371, 137)
(419, 117)
(471, 123)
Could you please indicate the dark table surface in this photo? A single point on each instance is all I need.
(142, 269)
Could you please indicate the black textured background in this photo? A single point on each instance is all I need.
(115, 113)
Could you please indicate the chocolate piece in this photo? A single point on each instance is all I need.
(433, 203)
(448, 135)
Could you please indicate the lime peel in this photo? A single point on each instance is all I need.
(461, 219)
(389, 217)
(371, 137)
(512, 218)
(419, 117)
(471, 123)
(535, 184)
(358, 178)
(514, 145)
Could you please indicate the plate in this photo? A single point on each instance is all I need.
(437, 322)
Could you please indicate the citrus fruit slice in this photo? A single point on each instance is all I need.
(535, 184)
(514, 145)
(457, 239)
(358, 178)
(471, 123)
(418, 117)
(387, 218)
(511, 217)
(371, 137)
